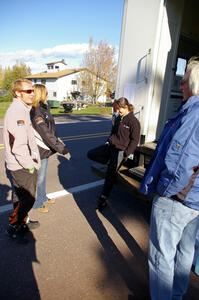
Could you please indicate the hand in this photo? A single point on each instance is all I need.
(67, 156)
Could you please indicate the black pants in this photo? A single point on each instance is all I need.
(24, 185)
(107, 154)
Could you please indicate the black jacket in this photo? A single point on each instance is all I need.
(125, 134)
(43, 122)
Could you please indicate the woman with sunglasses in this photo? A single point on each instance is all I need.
(47, 141)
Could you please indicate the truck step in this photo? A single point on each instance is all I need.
(137, 172)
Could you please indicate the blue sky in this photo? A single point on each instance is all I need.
(40, 31)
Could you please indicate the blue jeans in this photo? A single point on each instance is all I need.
(41, 184)
(171, 248)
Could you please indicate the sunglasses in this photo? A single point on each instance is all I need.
(27, 91)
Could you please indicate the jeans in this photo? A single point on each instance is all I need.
(41, 184)
(171, 248)
(196, 257)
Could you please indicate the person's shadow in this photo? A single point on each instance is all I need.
(5, 192)
(132, 270)
(17, 280)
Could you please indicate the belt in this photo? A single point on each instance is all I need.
(176, 198)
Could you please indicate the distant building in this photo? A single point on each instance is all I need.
(61, 82)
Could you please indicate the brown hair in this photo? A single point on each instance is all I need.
(17, 85)
(123, 102)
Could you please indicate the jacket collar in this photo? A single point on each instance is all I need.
(190, 102)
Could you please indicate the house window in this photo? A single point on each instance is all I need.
(35, 80)
(56, 67)
(43, 81)
(74, 82)
(54, 94)
(50, 67)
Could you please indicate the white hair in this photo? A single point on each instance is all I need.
(193, 71)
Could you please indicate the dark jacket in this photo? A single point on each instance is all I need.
(125, 134)
(43, 123)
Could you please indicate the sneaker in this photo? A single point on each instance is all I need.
(43, 209)
(30, 225)
(102, 202)
(50, 201)
(33, 224)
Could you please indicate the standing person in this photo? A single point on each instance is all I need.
(122, 142)
(47, 141)
(21, 156)
(173, 174)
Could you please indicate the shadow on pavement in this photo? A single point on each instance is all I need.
(5, 190)
(133, 268)
(17, 280)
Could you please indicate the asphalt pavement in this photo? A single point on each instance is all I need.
(78, 253)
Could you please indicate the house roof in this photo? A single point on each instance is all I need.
(59, 74)
(55, 74)
(56, 62)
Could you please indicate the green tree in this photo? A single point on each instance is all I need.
(19, 70)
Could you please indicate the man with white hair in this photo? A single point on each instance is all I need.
(173, 174)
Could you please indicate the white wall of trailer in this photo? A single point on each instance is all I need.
(150, 29)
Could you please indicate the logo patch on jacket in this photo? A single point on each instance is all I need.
(20, 122)
(126, 126)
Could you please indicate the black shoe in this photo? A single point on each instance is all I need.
(17, 233)
(102, 203)
(32, 224)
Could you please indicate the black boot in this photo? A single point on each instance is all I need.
(102, 203)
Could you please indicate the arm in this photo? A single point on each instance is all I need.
(51, 140)
(134, 138)
(18, 136)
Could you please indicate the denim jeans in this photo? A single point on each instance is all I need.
(196, 257)
(41, 184)
(171, 248)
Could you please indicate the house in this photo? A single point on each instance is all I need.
(62, 83)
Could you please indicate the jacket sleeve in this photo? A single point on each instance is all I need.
(134, 138)
(18, 136)
(51, 140)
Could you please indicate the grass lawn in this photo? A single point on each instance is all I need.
(90, 110)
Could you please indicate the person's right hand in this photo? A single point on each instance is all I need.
(67, 156)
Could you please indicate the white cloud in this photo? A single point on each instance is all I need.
(36, 60)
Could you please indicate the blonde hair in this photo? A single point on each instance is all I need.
(193, 72)
(123, 102)
(40, 94)
(17, 85)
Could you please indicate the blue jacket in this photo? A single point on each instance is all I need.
(177, 153)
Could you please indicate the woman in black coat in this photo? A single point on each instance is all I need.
(122, 142)
(47, 141)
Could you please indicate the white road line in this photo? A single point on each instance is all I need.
(62, 193)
